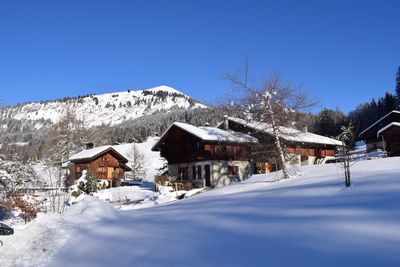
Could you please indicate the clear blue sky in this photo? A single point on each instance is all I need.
(342, 52)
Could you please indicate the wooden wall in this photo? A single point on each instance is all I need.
(181, 147)
(392, 141)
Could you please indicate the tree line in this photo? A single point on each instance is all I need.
(328, 122)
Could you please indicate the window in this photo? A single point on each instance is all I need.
(77, 169)
(233, 170)
(194, 172)
(183, 173)
(198, 172)
(101, 170)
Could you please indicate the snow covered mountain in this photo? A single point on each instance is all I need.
(110, 108)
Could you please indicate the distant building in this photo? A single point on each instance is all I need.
(104, 162)
(384, 134)
(303, 147)
(206, 156)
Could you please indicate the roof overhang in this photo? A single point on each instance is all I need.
(378, 121)
(387, 127)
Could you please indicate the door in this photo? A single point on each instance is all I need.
(110, 171)
(207, 174)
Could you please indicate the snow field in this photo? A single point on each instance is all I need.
(310, 220)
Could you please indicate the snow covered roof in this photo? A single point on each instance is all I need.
(216, 134)
(288, 134)
(393, 124)
(378, 121)
(94, 152)
(211, 134)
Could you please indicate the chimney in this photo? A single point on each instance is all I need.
(226, 122)
(305, 129)
(89, 145)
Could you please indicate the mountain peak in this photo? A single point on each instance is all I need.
(109, 108)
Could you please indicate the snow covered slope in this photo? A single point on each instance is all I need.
(311, 220)
(152, 161)
(112, 108)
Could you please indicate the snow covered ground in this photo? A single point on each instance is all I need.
(152, 160)
(311, 220)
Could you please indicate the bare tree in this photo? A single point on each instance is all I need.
(347, 138)
(272, 103)
(55, 193)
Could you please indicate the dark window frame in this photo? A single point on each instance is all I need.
(233, 170)
(194, 173)
(199, 172)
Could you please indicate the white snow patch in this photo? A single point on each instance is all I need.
(123, 193)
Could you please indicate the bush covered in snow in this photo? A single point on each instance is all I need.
(87, 184)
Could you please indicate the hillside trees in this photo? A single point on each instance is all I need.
(397, 89)
(158, 122)
(366, 114)
(329, 121)
(272, 102)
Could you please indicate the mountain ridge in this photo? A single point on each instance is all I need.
(108, 108)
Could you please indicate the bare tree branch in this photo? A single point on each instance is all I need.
(273, 103)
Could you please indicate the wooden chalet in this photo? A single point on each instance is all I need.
(205, 156)
(104, 162)
(302, 147)
(384, 134)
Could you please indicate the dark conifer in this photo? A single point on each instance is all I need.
(398, 89)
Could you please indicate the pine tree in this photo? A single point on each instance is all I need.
(398, 89)
(67, 138)
(329, 122)
(389, 102)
